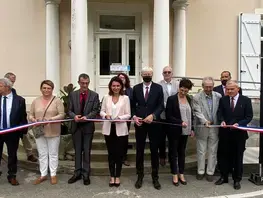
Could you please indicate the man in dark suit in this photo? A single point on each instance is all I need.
(25, 138)
(12, 114)
(147, 105)
(234, 109)
(225, 76)
(83, 104)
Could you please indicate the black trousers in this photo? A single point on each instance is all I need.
(177, 146)
(125, 157)
(82, 142)
(231, 153)
(116, 149)
(154, 137)
(163, 135)
(12, 142)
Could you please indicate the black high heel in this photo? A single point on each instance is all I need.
(117, 184)
(111, 184)
(182, 182)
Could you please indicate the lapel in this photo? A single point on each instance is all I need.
(141, 92)
(165, 88)
(14, 103)
(77, 98)
(237, 104)
(151, 91)
(87, 100)
(205, 105)
(214, 104)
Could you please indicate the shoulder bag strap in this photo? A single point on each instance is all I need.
(48, 107)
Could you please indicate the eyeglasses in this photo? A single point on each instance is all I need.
(167, 72)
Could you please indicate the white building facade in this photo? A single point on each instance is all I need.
(59, 39)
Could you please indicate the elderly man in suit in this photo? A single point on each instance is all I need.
(12, 114)
(205, 106)
(147, 105)
(83, 104)
(170, 87)
(25, 139)
(234, 109)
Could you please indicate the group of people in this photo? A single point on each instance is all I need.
(158, 110)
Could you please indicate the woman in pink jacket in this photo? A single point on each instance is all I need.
(115, 105)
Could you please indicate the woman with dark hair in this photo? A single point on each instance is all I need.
(179, 112)
(115, 105)
(128, 92)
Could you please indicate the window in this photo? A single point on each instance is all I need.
(113, 22)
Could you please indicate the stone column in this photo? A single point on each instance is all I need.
(161, 37)
(79, 39)
(179, 44)
(52, 43)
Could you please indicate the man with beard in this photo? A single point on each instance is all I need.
(225, 76)
(147, 105)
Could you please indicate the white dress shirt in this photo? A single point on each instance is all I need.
(144, 88)
(235, 100)
(9, 101)
(169, 87)
(224, 89)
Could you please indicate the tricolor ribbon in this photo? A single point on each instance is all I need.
(17, 128)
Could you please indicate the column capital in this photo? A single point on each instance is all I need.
(180, 4)
(56, 2)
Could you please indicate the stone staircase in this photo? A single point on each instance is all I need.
(99, 156)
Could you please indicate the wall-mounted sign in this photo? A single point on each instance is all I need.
(117, 67)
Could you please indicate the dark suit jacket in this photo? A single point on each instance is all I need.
(14, 91)
(91, 110)
(18, 114)
(173, 114)
(219, 89)
(154, 105)
(129, 93)
(243, 113)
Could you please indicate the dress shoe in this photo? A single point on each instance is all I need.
(86, 181)
(117, 184)
(40, 180)
(138, 183)
(13, 181)
(209, 178)
(0, 173)
(156, 184)
(53, 180)
(237, 185)
(111, 184)
(74, 178)
(126, 163)
(221, 181)
(182, 182)
(162, 161)
(176, 183)
(32, 158)
(200, 176)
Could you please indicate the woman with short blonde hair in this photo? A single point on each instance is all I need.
(47, 107)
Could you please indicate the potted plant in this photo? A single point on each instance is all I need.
(65, 98)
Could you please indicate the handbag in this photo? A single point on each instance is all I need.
(38, 131)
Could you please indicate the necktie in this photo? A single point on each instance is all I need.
(232, 104)
(146, 93)
(83, 103)
(4, 114)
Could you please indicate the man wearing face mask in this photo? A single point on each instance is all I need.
(147, 105)
(225, 76)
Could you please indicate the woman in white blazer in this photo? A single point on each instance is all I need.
(115, 105)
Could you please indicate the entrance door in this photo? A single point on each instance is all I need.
(116, 49)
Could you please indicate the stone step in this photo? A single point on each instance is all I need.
(98, 134)
(99, 168)
(102, 155)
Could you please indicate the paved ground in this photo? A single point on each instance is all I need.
(99, 188)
